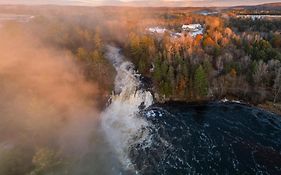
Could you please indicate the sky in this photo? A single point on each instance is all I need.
(180, 3)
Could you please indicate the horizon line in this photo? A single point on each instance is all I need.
(133, 5)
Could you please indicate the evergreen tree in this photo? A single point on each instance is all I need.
(200, 82)
(157, 70)
(171, 79)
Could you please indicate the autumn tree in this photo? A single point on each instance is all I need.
(276, 41)
(208, 41)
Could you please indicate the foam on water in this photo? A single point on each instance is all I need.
(120, 121)
(209, 138)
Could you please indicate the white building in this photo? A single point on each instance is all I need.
(193, 29)
(157, 30)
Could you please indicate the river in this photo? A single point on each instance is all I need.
(183, 138)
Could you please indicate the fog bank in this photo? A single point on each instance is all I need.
(46, 102)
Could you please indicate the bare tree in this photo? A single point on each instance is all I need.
(277, 85)
(260, 73)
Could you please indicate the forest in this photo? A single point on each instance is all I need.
(234, 58)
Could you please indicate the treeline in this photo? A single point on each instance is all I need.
(262, 10)
(257, 25)
(219, 63)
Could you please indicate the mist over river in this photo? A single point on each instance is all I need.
(184, 138)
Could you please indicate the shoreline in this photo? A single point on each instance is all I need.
(268, 106)
(271, 107)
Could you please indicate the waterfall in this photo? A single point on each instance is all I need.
(120, 120)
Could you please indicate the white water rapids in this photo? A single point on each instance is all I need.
(120, 121)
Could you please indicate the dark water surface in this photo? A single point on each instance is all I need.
(210, 138)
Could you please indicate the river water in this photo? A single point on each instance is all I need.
(210, 138)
